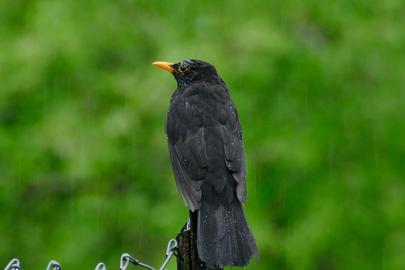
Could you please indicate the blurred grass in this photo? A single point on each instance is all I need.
(319, 86)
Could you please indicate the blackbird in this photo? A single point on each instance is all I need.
(206, 152)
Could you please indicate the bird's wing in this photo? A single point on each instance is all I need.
(188, 149)
(233, 149)
(189, 159)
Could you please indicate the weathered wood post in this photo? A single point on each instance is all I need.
(187, 257)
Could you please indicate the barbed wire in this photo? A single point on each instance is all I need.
(125, 261)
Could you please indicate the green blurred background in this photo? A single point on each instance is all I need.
(84, 167)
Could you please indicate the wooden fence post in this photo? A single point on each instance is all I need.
(187, 257)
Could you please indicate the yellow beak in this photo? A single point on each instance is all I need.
(165, 65)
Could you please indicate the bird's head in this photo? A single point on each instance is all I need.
(190, 71)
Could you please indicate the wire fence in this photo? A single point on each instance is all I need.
(125, 261)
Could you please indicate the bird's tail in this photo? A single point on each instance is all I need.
(223, 235)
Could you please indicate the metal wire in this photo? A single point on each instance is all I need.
(53, 265)
(170, 250)
(125, 260)
(100, 266)
(14, 264)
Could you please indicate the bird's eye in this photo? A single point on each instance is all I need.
(183, 68)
